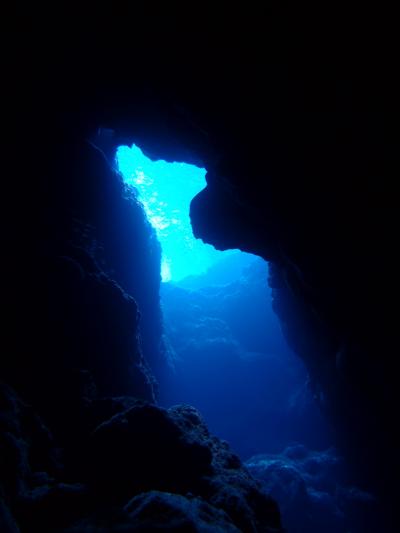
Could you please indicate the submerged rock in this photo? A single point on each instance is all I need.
(133, 466)
(179, 513)
(143, 448)
(312, 491)
(161, 511)
(147, 447)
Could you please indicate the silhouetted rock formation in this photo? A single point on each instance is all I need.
(124, 448)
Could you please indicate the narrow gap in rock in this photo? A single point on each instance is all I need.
(227, 355)
(225, 348)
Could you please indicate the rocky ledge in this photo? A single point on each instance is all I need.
(130, 466)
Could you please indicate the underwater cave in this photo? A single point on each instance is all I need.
(200, 218)
(227, 355)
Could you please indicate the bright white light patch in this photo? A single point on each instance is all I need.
(166, 190)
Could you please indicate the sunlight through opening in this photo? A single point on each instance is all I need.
(165, 191)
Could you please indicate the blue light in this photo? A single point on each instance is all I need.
(166, 190)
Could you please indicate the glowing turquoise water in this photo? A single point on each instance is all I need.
(166, 190)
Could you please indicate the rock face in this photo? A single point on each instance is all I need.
(81, 299)
(331, 291)
(178, 475)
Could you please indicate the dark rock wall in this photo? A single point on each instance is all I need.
(325, 218)
(88, 276)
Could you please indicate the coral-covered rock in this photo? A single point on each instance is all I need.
(313, 493)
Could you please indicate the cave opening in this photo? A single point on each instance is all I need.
(165, 191)
(297, 132)
(227, 355)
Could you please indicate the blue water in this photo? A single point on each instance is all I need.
(226, 350)
(228, 356)
(165, 190)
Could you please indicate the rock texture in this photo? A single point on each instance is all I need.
(313, 492)
(130, 466)
(163, 511)
(91, 316)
